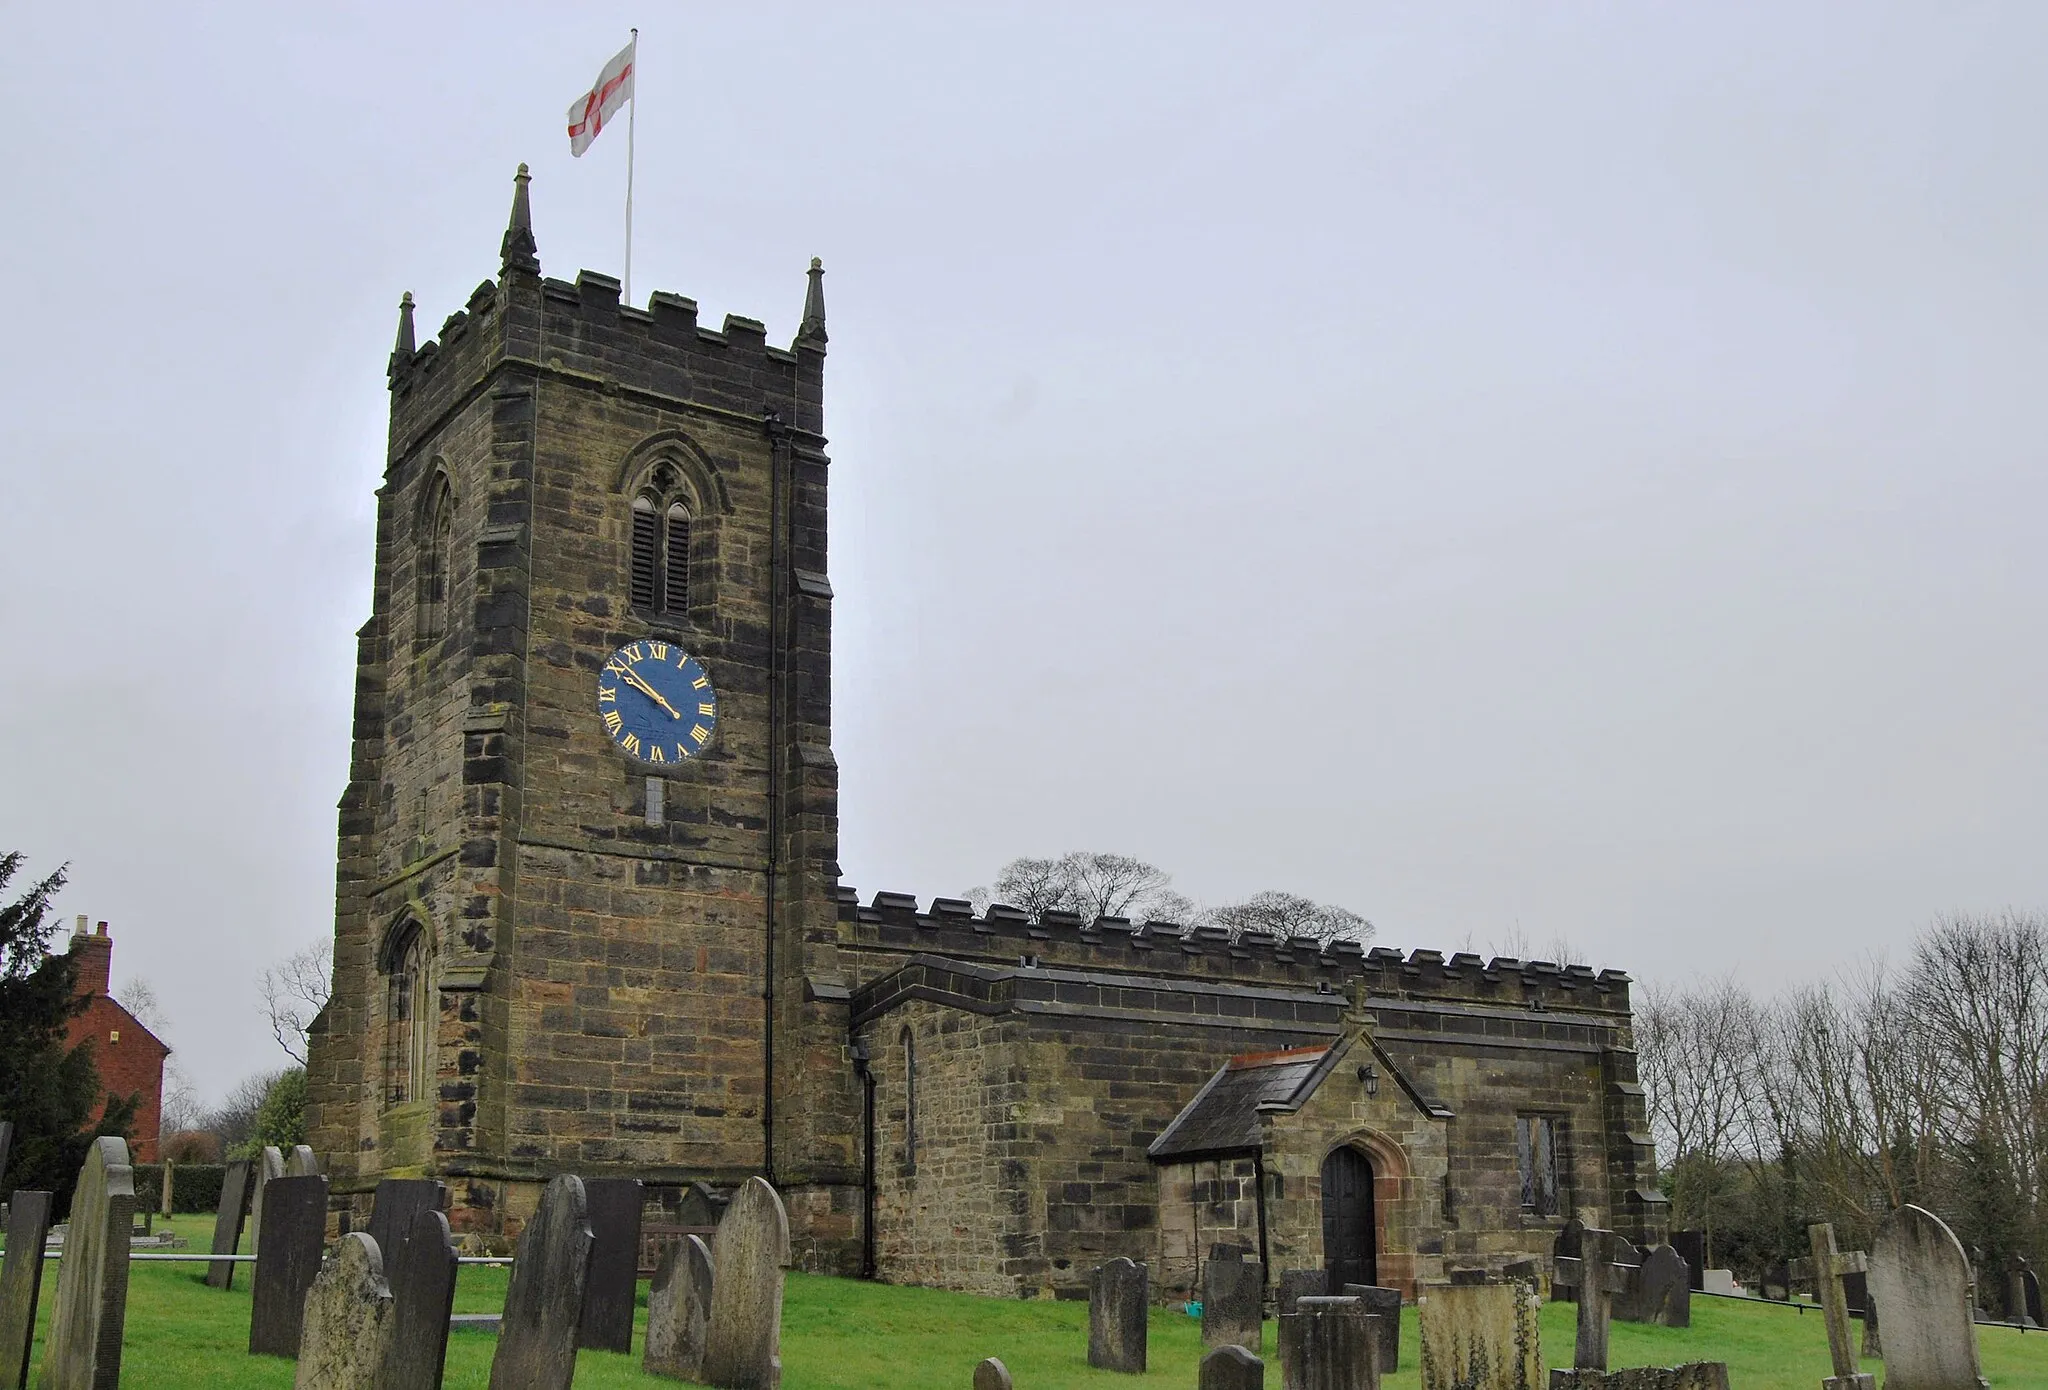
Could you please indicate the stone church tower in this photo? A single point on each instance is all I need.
(553, 954)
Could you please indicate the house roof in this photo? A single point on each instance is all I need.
(1224, 1115)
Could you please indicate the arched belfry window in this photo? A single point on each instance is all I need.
(437, 528)
(664, 516)
(411, 1015)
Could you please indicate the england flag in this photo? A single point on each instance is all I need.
(592, 111)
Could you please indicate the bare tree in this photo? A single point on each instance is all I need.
(1089, 883)
(233, 1121)
(295, 990)
(1702, 1076)
(1288, 915)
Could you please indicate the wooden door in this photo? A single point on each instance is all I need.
(1350, 1251)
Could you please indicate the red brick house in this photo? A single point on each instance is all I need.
(129, 1056)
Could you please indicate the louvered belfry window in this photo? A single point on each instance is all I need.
(646, 552)
(676, 588)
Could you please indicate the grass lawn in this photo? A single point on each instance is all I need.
(839, 1334)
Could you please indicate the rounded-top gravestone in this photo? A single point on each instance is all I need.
(544, 1305)
(1117, 1305)
(1920, 1277)
(347, 1331)
(749, 1252)
(992, 1375)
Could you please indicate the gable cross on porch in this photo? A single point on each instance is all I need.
(1828, 1266)
(1597, 1275)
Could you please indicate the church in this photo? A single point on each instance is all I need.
(589, 919)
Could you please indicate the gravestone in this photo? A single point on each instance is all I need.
(1480, 1337)
(992, 1374)
(743, 1350)
(1776, 1283)
(1920, 1280)
(2022, 1292)
(1829, 1267)
(1663, 1289)
(422, 1279)
(301, 1162)
(1233, 1295)
(1698, 1375)
(1570, 1238)
(1328, 1344)
(1594, 1279)
(265, 1166)
(347, 1320)
(608, 1296)
(1692, 1248)
(392, 1209)
(1384, 1305)
(1301, 1283)
(1226, 1368)
(537, 1339)
(1116, 1316)
(1873, 1340)
(83, 1350)
(1230, 1252)
(679, 1311)
(21, 1282)
(227, 1224)
(167, 1187)
(287, 1263)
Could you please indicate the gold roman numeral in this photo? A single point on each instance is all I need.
(616, 667)
(701, 733)
(655, 755)
(631, 743)
(700, 682)
(633, 654)
(681, 752)
(707, 709)
(658, 650)
(607, 694)
(612, 722)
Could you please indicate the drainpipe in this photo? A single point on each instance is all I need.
(1259, 1181)
(867, 1158)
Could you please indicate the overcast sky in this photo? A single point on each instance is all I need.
(1562, 469)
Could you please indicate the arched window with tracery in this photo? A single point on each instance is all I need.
(411, 1014)
(437, 527)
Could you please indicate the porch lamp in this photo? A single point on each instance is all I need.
(1369, 1077)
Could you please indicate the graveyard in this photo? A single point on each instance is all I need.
(845, 1334)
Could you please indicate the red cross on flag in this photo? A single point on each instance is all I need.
(592, 111)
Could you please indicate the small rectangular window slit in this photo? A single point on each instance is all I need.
(656, 799)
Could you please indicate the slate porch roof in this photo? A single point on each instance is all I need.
(1223, 1118)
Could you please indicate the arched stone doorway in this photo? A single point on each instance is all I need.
(1350, 1230)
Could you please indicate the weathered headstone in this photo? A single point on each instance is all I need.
(1233, 1295)
(83, 1351)
(392, 1209)
(1301, 1283)
(679, 1311)
(1328, 1344)
(301, 1162)
(1920, 1279)
(1662, 1295)
(21, 1281)
(347, 1321)
(1480, 1337)
(1117, 1301)
(1873, 1338)
(266, 1165)
(608, 1297)
(1567, 1246)
(287, 1263)
(749, 1251)
(1227, 1368)
(1594, 1279)
(167, 1187)
(1384, 1305)
(2020, 1282)
(1692, 1248)
(992, 1374)
(1776, 1283)
(544, 1305)
(1829, 1267)
(227, 1224)
(422, 1279)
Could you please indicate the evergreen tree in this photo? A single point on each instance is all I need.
(48, 1089)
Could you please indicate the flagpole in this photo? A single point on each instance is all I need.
(632, 120)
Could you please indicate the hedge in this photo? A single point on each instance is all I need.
(195, 1188)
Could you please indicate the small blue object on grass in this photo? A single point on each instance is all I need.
(1193, 1308)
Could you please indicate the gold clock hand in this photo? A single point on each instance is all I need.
(633, 679)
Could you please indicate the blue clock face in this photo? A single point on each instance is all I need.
(656, 702)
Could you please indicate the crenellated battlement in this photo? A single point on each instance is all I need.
(894, 922)
(580, 332)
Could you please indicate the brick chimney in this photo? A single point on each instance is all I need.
(94, 957)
